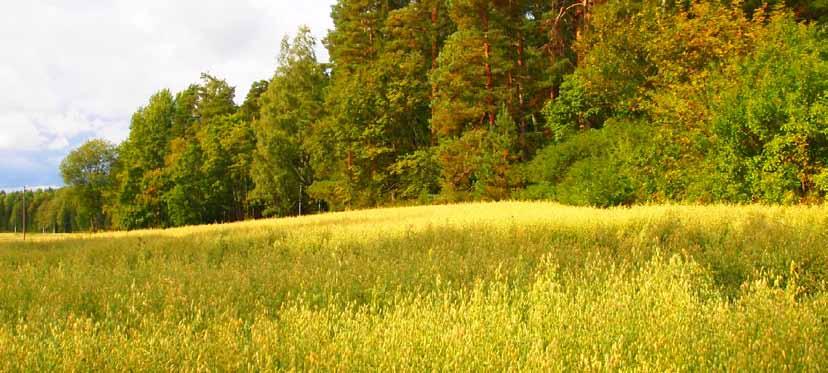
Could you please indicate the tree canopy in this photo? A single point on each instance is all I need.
(585, 102)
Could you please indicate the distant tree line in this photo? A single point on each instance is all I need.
(47, 211)
(586, 102)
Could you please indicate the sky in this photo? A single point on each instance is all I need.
(76, 70)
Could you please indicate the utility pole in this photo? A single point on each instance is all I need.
(24, 213)
(301, 184)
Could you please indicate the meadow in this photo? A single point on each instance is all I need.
(470, 287)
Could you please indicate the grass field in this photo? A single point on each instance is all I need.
(497, 286)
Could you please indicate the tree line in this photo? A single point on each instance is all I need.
(47, 211)
(590, 102)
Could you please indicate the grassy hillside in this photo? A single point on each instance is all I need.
(466, 287)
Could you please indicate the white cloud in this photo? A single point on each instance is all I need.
(19, 132)
(30, 131)
(74, 70)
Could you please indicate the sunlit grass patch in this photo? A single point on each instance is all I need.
(488, 286)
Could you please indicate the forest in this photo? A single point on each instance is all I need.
(591, 102)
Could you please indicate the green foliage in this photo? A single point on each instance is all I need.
(185, 116)
(47, 211)
(290, 107)
(735, 106)
(463, 99)
(439, 100)
(142, 155)
(478, 165)
(88, 171)
(185, 200)
(599, 167)
(149, 133)
(805, 10)
(418, 173)
(215, 98)
(571, 111)
(217, 167)
(251, 108)
(771, 121)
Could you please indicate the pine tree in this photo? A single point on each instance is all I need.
(415, 34)
(357, 132)
(473, 79)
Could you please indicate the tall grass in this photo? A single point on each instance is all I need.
(518, 286)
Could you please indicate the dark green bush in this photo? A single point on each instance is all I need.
(599, 167)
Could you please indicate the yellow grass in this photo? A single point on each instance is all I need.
(482, 286)
(401, 220)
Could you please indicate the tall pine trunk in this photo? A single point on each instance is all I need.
(487, 50)
(521, 102)
(435, 18)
